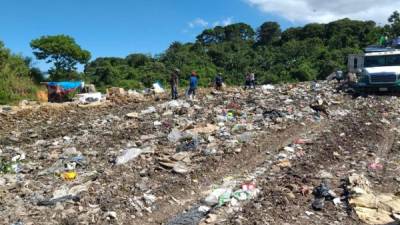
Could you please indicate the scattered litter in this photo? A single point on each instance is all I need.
(149, 110)
(375, 166)
(267, 87)
(220, 195)
(204, 209)
(189, 143)
(321, 194)
(174, 136)
(128, 155)
(69, 175)
(157, 88)
(133, 115)
(372, 207)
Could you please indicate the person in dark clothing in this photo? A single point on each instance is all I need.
(193, 82)
(174, 82)
(248, 81)
(219, 81)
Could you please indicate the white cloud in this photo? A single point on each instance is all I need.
(199, 22)
(224, 22)
(216, 23)
(227, 21)
(325, 11)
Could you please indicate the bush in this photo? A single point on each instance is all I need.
(15, 82)
(14, 89)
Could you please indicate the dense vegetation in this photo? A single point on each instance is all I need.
(295, 54)
(16, 77)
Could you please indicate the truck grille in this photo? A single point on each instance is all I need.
(383, 78)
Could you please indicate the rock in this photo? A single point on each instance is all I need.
(180, 156)
(238, 150)
(149, 110)
(385, 121)
(210, 151)
(204, 209)
(211, 218)
(180, 168)
(174, 136)
(110, 215)
(147, 137)
(149, 199)
(290, 195)
(284, 163)
(324, 175)
(268, 87)
(209, 128)
(245, 137)
(71, 151)
(133, 115)
(116, 91)
(289, 149)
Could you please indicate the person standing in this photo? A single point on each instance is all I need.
(252, 80)
(193, 82)
(219, 81)
(174, 82)
(248, 81)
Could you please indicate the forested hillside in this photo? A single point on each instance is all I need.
(296, 54)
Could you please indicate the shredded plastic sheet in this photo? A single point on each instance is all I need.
(66, 85)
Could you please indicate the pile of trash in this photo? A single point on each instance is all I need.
(130, 161)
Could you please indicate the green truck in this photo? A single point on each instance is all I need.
(377, 69)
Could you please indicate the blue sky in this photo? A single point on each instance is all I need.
(120, 27)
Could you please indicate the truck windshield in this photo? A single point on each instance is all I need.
(382, 60)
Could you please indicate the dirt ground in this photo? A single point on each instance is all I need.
(248, 130)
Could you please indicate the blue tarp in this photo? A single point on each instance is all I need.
(66, 85)
(59, 91)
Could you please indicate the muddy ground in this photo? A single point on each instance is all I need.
(249, 130)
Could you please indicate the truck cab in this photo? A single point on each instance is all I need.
(378, 69)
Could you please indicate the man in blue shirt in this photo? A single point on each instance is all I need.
(193, 82)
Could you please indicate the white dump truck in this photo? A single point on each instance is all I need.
(377, 69)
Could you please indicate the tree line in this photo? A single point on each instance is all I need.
(274, 55)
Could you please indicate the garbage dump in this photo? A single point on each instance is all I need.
(271, 155)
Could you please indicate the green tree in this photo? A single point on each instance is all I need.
(304, 72)
(239, 31)
(63, 52)
(313, 30)
(268, 33)
(394, 21)
(137, 60)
